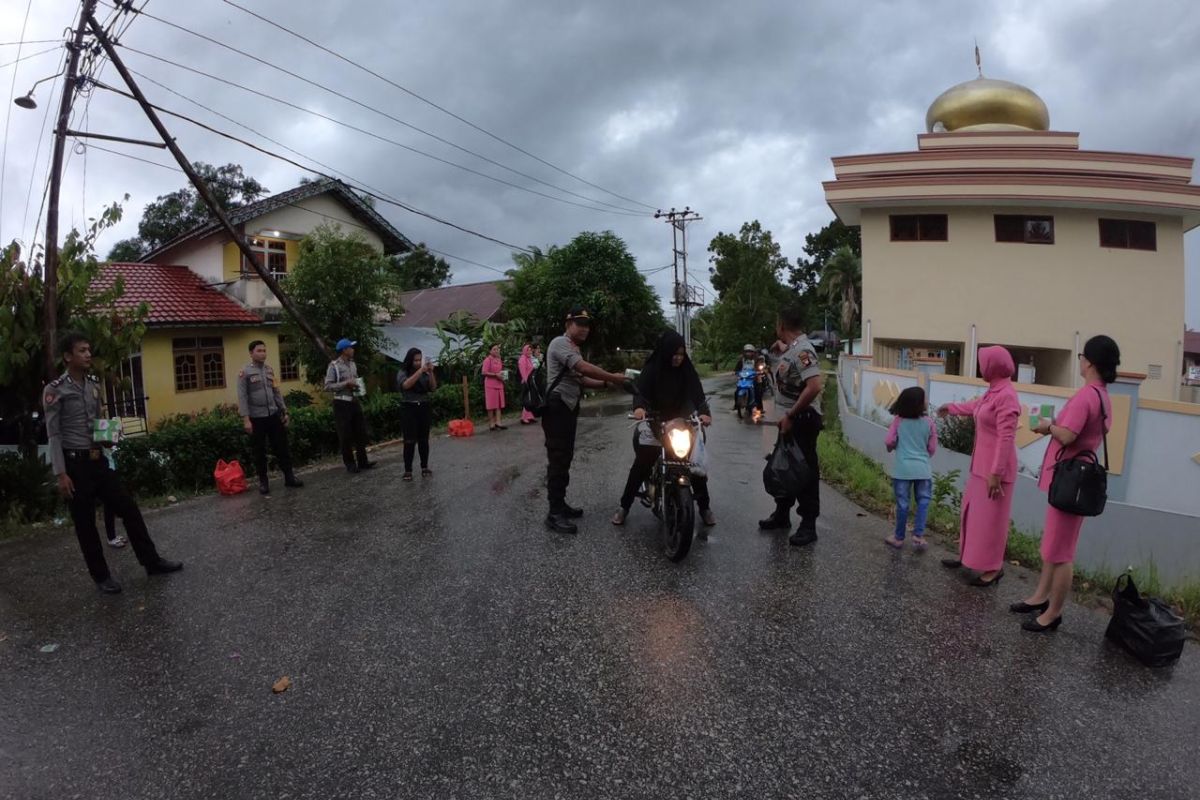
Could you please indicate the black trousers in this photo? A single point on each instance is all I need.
(643, 462)
(94, 480)
(805, 430)
(273, 430)
(110, 522)
(416, 421)
(351, 430)
(558, 424)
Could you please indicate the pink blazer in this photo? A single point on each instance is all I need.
(492, 364)
(997, 414)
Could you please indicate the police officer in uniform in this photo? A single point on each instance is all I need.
(798, 386)
(264, 416)
(567, 374)
(71, 404)
(341, 378)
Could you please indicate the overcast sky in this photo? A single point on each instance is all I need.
(732, 108)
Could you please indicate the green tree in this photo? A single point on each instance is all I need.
(85, 304)
(420, 269)
(596, 271)
(751, 247)
(178, 212)
(841, 285)
(342, 285)
(746, 272)
(819, 247)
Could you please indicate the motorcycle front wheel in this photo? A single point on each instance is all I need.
(679, 519)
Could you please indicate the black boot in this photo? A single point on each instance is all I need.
(263, 486)
(805, 534)
(291, 481)
(775, 522)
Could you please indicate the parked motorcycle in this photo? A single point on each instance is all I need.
(668, 491)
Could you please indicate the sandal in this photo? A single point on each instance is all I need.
(406, 477)
(919, 543)
(118, 542)
(619, 517)
(425, 473)
(893, 542)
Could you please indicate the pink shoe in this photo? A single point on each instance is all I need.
(892, 541)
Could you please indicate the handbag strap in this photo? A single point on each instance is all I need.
(1103, 426)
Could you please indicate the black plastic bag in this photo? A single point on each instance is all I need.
(787, 472)
(1145, 626)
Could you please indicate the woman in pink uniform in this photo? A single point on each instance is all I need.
(493, 388)
(525, 367)
(987, 501)
(1078, 428)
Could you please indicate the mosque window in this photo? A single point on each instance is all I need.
(918, 227)
(1029, 230)
(1128, 234)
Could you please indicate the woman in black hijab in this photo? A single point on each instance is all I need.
(669, 387)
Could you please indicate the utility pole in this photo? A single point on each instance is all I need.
(685, 296)
(202, 188)
(50, 271)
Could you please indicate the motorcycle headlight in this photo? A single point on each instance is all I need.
(679, 441)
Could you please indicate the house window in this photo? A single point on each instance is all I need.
(199, 363)
(1128, 234)
(919, 227)
(270, 253)
(1030, 230)
(289, 360)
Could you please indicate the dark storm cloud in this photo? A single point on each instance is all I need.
(732, 108)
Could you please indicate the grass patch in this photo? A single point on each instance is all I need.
(867, 483)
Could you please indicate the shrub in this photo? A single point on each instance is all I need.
(446, 401)
(297, 398)
(28, 490)
(957, 434)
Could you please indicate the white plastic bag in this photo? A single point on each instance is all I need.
(700, 456)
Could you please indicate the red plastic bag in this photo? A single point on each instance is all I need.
(230, 477)
(462, 427)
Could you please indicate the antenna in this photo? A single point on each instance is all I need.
(978, 61)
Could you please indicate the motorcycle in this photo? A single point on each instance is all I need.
(668, 490)
(749, 391)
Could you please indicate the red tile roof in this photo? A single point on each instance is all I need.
(425, 308)
(1191, 342)
(175, 294)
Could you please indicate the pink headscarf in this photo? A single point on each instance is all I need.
(525, 363)
(997, 367)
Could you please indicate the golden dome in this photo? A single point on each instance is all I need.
(986, 104)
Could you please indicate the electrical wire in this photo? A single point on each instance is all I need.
(12, 90)
(350, 126)
(466, 260)
(406, 206)
(429, 102)
(37, 155)
(368, 107)
(26, 58)
(22, 42)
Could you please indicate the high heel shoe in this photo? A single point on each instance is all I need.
(978, 581)
(1033, 626)
(1024, 608)
(951, 563)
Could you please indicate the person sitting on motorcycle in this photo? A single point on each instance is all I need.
(668, 387)
(747, 361)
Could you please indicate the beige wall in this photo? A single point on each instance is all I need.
(290, 219)
(1026, 295)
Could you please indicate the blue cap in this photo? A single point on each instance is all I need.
(343, 344)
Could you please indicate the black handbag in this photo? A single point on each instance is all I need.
(1080, 483)
(1145, 626)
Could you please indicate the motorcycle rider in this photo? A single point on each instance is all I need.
(669, 387)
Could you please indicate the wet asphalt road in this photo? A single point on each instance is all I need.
(442, 644)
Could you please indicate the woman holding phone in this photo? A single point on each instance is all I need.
(417, 383)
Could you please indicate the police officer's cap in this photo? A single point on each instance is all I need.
(579, 314)
(343, 343)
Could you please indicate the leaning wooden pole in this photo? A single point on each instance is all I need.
(205, 193)
(50, 271)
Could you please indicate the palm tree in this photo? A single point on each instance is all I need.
(841, 284)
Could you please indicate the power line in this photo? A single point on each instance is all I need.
(12, 90)
(348, 125)
(373, 110)
(26, 58)
(429, 102)
(37, 153)
(22, 42)
(411, 209)
(466, 260)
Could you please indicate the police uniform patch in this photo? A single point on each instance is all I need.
(806, 359)
(241, 373)
(50, 399)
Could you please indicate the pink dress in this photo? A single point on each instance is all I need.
(525, 368)
(1081, 415)
(985, 522)
(493, 388)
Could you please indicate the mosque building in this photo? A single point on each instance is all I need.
(999, 230)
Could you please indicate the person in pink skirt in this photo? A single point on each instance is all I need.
(493, 388)
(987, 501)
(525, 367)
(1079, 428)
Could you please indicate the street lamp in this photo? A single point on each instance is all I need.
(26, 100)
